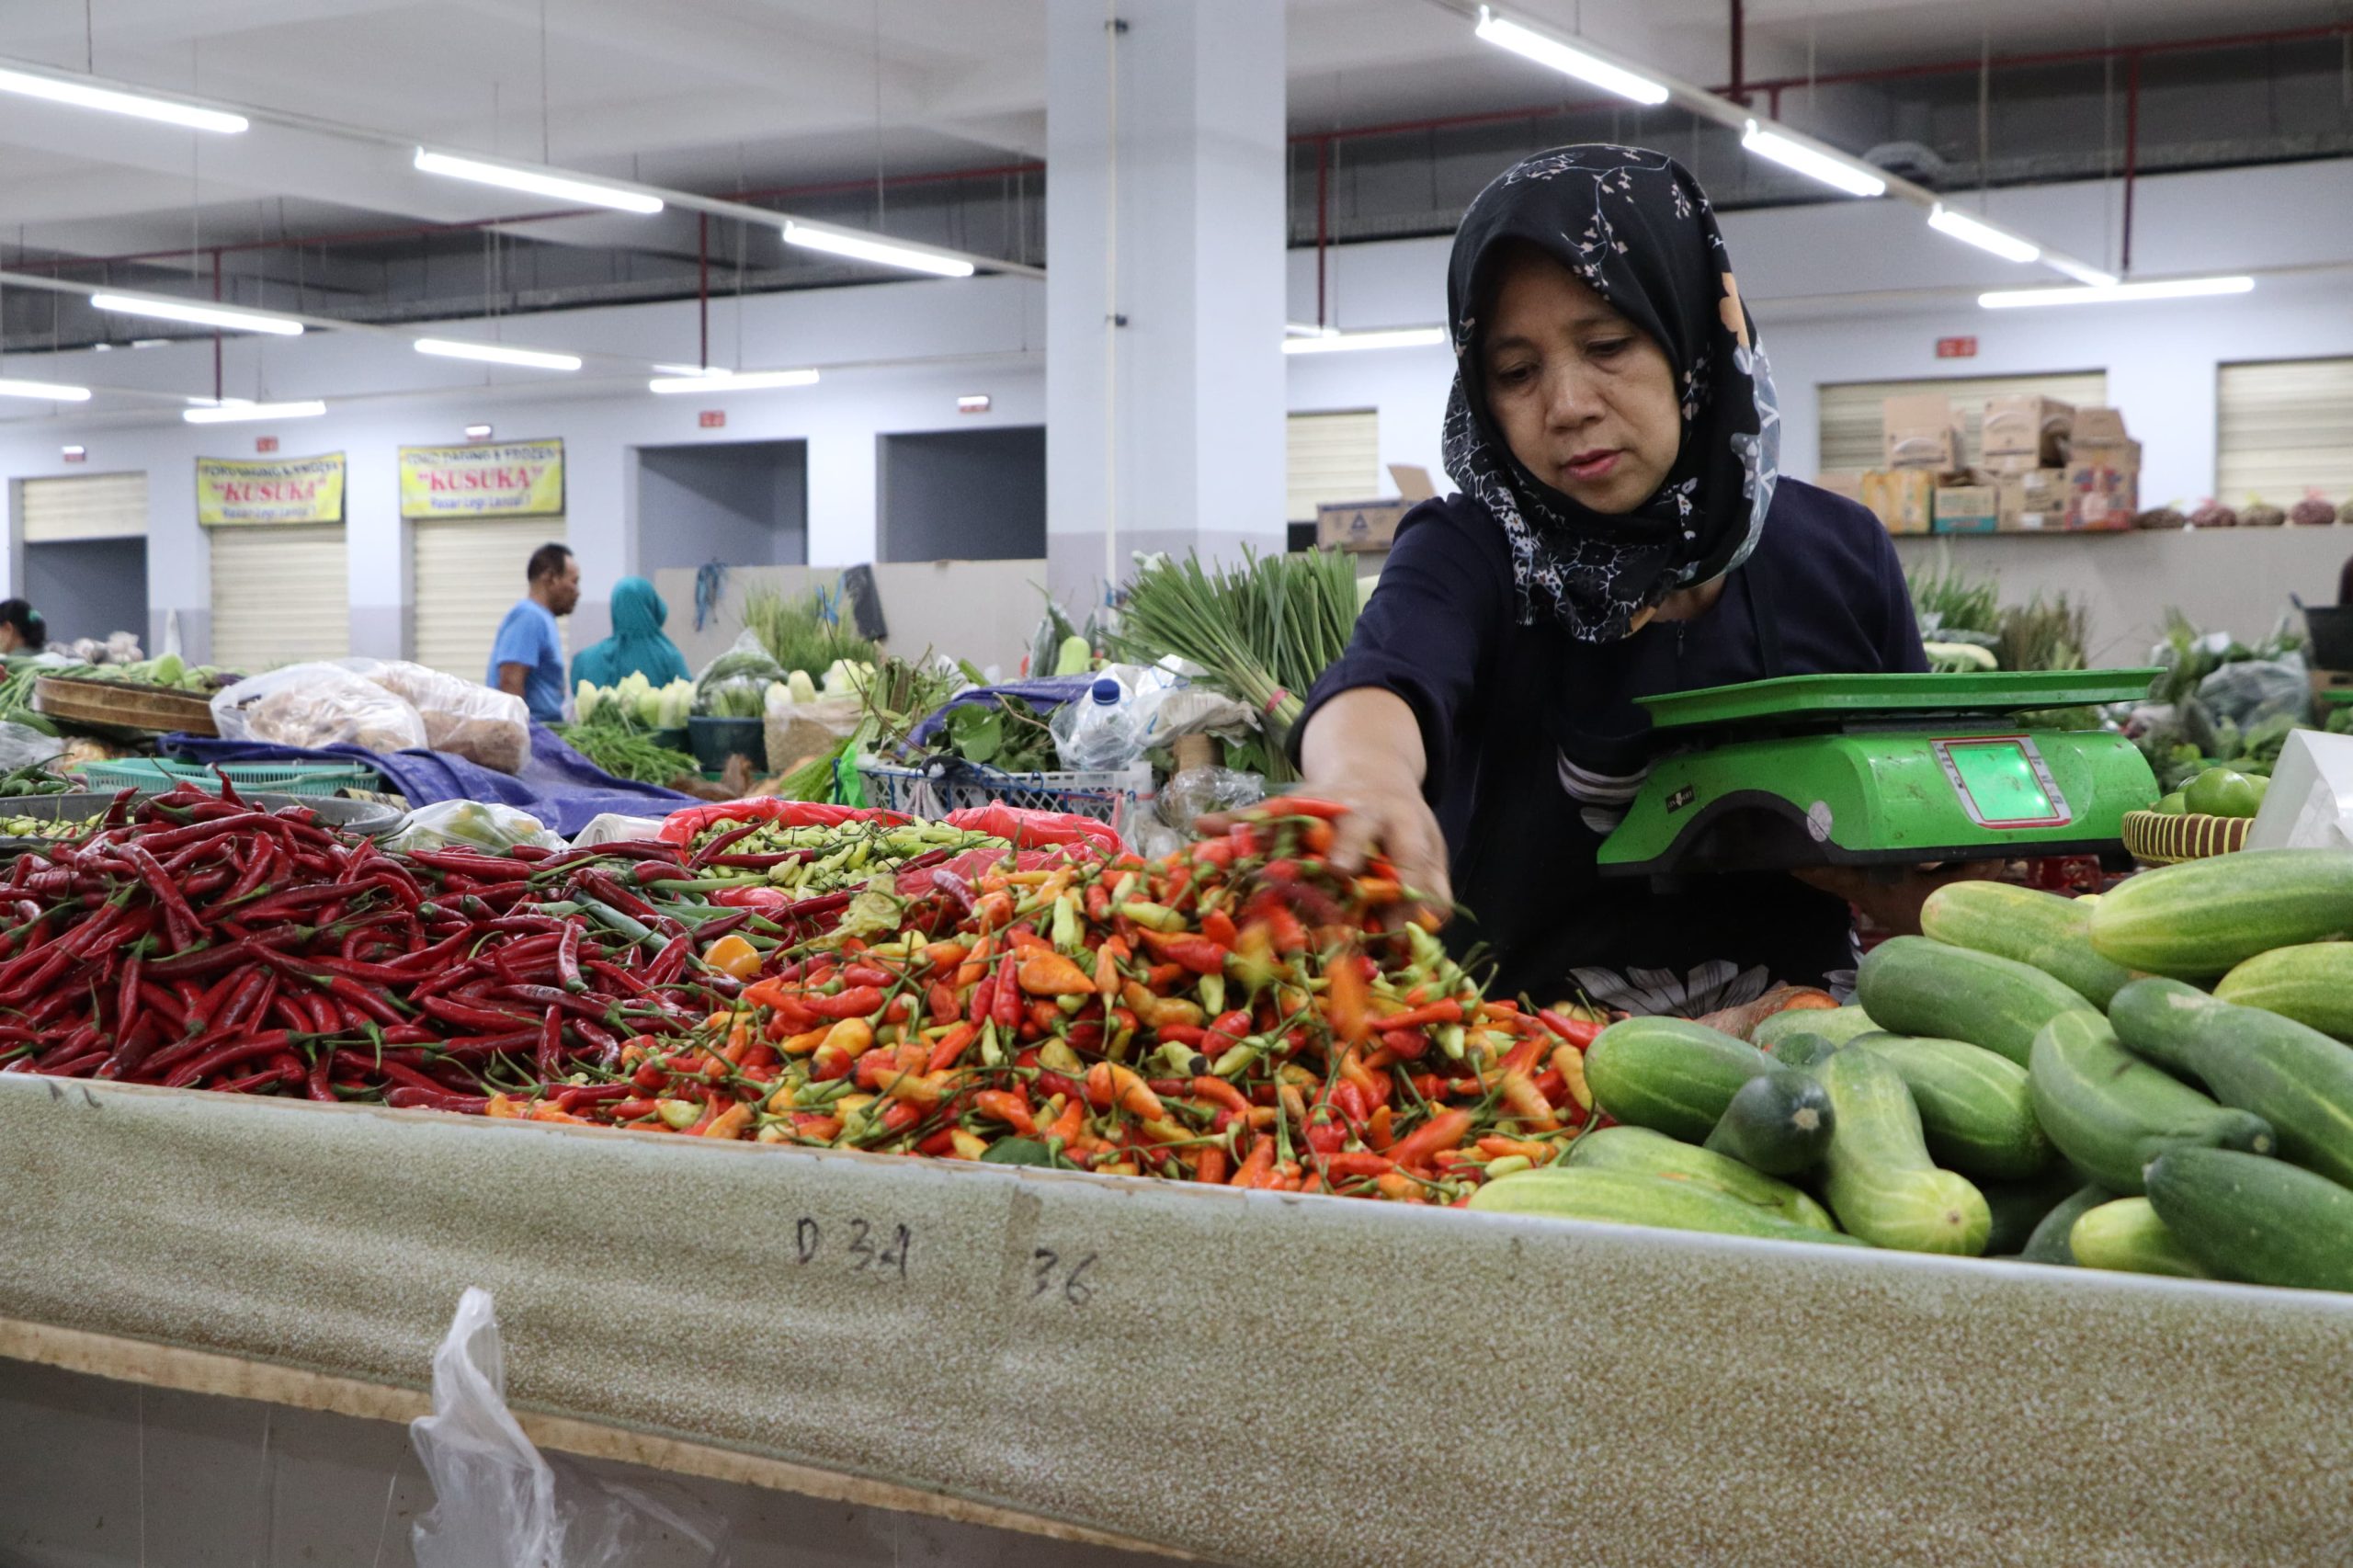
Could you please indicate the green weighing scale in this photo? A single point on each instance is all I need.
(1880, 770)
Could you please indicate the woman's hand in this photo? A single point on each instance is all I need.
(1894, 903)
(1363, 750)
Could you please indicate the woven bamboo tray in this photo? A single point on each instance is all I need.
(121, 705)
(2160, 838)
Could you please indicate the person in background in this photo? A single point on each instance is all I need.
(527, 661)
(637, 644)
(22, 631)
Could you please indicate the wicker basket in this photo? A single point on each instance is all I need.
(2161, 839)
(124, 705)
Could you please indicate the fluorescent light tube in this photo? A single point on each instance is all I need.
(880, 251)
(1344, 342)
(692, 369)
(497, 354)
(1570, 60)
(477, 432)
(2115, 293)
(238, 412)
(1985, 237)
(44, 391)
(2080, 273)
(733, 382)
(1839, 173)
(201, 315)
(85, 95)
(1306, 329)
(539, 182)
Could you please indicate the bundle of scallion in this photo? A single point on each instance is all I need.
(1263, 629)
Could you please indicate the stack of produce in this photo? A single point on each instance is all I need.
(1241, 1014)
(615, 728)
(2008, 1085)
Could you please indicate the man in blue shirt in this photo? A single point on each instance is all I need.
(528, 659)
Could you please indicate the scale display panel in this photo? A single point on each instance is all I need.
(2002, 782)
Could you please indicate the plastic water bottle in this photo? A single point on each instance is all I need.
(1101, 736)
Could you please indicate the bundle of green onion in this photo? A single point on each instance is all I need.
(1263, 629)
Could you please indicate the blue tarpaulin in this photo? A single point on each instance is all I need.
(557, 785)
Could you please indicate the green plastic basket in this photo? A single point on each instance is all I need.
(155, 774)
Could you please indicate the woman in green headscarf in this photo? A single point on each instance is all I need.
(637, 643)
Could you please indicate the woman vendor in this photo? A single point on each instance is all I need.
(637, 645)
(1622, 531)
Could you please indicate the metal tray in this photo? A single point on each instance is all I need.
(354, 816)
(1835, 697)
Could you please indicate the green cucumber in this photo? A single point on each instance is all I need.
(2204, 918)
(1645, 1153)
(1881, 1184)
(1975, 1107)
(2018, 1207)
(2049, 1242)
(2311, 982)
(1668, 1074)
(1779, 1123)
(2127, 1235)
(1836, 1025)
(1912, 986)
(2262, 1221)
(2041, 929)
(2111, 1113)
(1623, 1197)
(1801, 1051)
(2296, 1079)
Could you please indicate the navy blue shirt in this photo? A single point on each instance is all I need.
(1532, 737)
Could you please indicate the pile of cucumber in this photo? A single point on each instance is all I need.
(2158, 1080)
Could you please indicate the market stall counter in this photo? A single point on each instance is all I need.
(1250, 1377)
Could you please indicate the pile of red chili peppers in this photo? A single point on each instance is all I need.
(198, 942)
(1241, 1013)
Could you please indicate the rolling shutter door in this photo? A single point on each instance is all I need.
(1332, 457)
(78, 507)
(1853, 437)
(469, 575)
(281, 593)
(2281, 428)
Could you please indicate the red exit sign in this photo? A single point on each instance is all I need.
(1956, 348)
(265, 443)
(714, 419)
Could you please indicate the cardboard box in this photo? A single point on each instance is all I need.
(2032, 502)
(1847, 481)
(2096, 429)
(1903, 498)
(2104, 489)
(1964, 509)
(1370, 525)
(1999, 464)
(2035, 428)
(1921, 432)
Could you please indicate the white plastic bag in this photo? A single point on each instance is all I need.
(316, 705)
(491, 728)
(499, 1503)
(21, 746)
(472, 824)
(611, 827)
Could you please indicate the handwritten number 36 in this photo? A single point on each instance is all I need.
(1075, 1291)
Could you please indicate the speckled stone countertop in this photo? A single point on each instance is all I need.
(1254, 1378)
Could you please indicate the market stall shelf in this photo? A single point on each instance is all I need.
(1206, 1370)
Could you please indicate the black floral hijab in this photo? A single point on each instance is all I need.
(1636, 227)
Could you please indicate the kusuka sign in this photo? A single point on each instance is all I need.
(243, 492)
(483, 479)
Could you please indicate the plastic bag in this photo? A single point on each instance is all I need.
(1198, 791)
(316, 705)
(735, 684)
(464, 719)
(21, 746)
(475, 824)
(499, 1503)
(613, 828)
(1028, 829)
(2248, 693)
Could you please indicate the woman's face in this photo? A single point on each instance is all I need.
(9, 641)
(1585, 398)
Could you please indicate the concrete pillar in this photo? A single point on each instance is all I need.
(1164, 144)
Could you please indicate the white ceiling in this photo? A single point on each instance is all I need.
(715, 94)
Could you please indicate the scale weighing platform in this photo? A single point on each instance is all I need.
(1880, 770)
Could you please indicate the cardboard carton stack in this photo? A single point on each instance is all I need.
(1924, 452)
(2025, 441)
(1367, 528)
(2044, 467)
(2103, 473)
